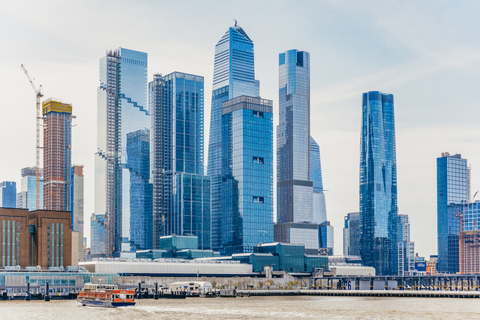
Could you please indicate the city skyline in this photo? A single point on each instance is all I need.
(425, 58)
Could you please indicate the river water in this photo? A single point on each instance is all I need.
(286, 307)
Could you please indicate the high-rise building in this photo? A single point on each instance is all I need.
(406, 248)
(181, 189)
(325, 237)
(351, 234)
(247, 180)
(378, 184)
(8, 196)
(319, 207)
(233, 76)
(296, 220)
(121, 110)
(26, 197)
(98, 234)
(452, 190)
(57, 155)
(77, 206)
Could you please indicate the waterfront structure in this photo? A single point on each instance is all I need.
(98, 234)
(8, 194)
(378, 184)
(26, 197)
(31, 238)
(233, 76)
(297, 222)
(77, 207)
(121, 186)
(57, 155)
(181, 190)
(351, 234)
(452, 190)
(247, 174)
(406, 248)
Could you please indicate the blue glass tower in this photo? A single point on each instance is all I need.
(378, 184)
(138, 163)
(98, 234)
(247, 180)
(319, 207)
(452, 190)
(122, 109)
(233, 76)
(8, 196)
(26, 198)
(177, 157)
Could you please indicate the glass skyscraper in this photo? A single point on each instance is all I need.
(98, 234)
(296, 220)
(122, 110)
(247, 180)
(351, 234)
(233, 76)
(452, 190)
(319, 207)
(181, 190)
(378, 184)
(8, 195)
(26, 198)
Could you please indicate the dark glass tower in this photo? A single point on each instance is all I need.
(378, 184)
(452, 190)
(181, 190)
(233, 76)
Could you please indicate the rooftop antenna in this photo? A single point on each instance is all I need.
(235, 22)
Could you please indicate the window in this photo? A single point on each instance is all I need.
(257, 114)
(258, 199)
(258, 160)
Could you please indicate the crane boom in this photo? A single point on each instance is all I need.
(38, 95)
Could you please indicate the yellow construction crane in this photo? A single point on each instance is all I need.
(38, 95)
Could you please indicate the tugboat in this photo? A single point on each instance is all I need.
(105, 295)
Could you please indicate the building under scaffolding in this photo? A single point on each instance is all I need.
(57, 140)
(469, 252)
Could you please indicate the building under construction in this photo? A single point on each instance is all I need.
(57, 160)
(469, 251)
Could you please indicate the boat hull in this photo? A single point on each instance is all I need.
(104, 304)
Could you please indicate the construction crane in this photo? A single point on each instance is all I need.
(38, 95)
(461, 238)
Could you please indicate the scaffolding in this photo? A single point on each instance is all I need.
(469, 242)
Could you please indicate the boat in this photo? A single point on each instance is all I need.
(105, 295)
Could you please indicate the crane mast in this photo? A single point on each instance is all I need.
(38, 95)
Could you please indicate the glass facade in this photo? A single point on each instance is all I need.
(180, 185)
(319, 207)
(325, 237)
(247, 179)
(452, 189)
(351, 234)
(8, 195)
(98, 234)
(378, 184)
(233, 76)
(122, 109)
(138, 163)
(28, 190)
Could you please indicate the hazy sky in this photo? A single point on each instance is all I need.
(426, 53)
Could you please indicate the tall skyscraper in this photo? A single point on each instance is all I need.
(57, 155)
(8, 195)
(378, 184)
(77, 206)
(26, 197)
(452, 190)
(247, 181)
(122, 110)
(351, 234)
(233, 76)
(296, 221)
(181, 190)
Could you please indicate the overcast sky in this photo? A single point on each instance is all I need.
(426, 53)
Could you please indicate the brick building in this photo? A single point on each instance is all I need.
(31, 238)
